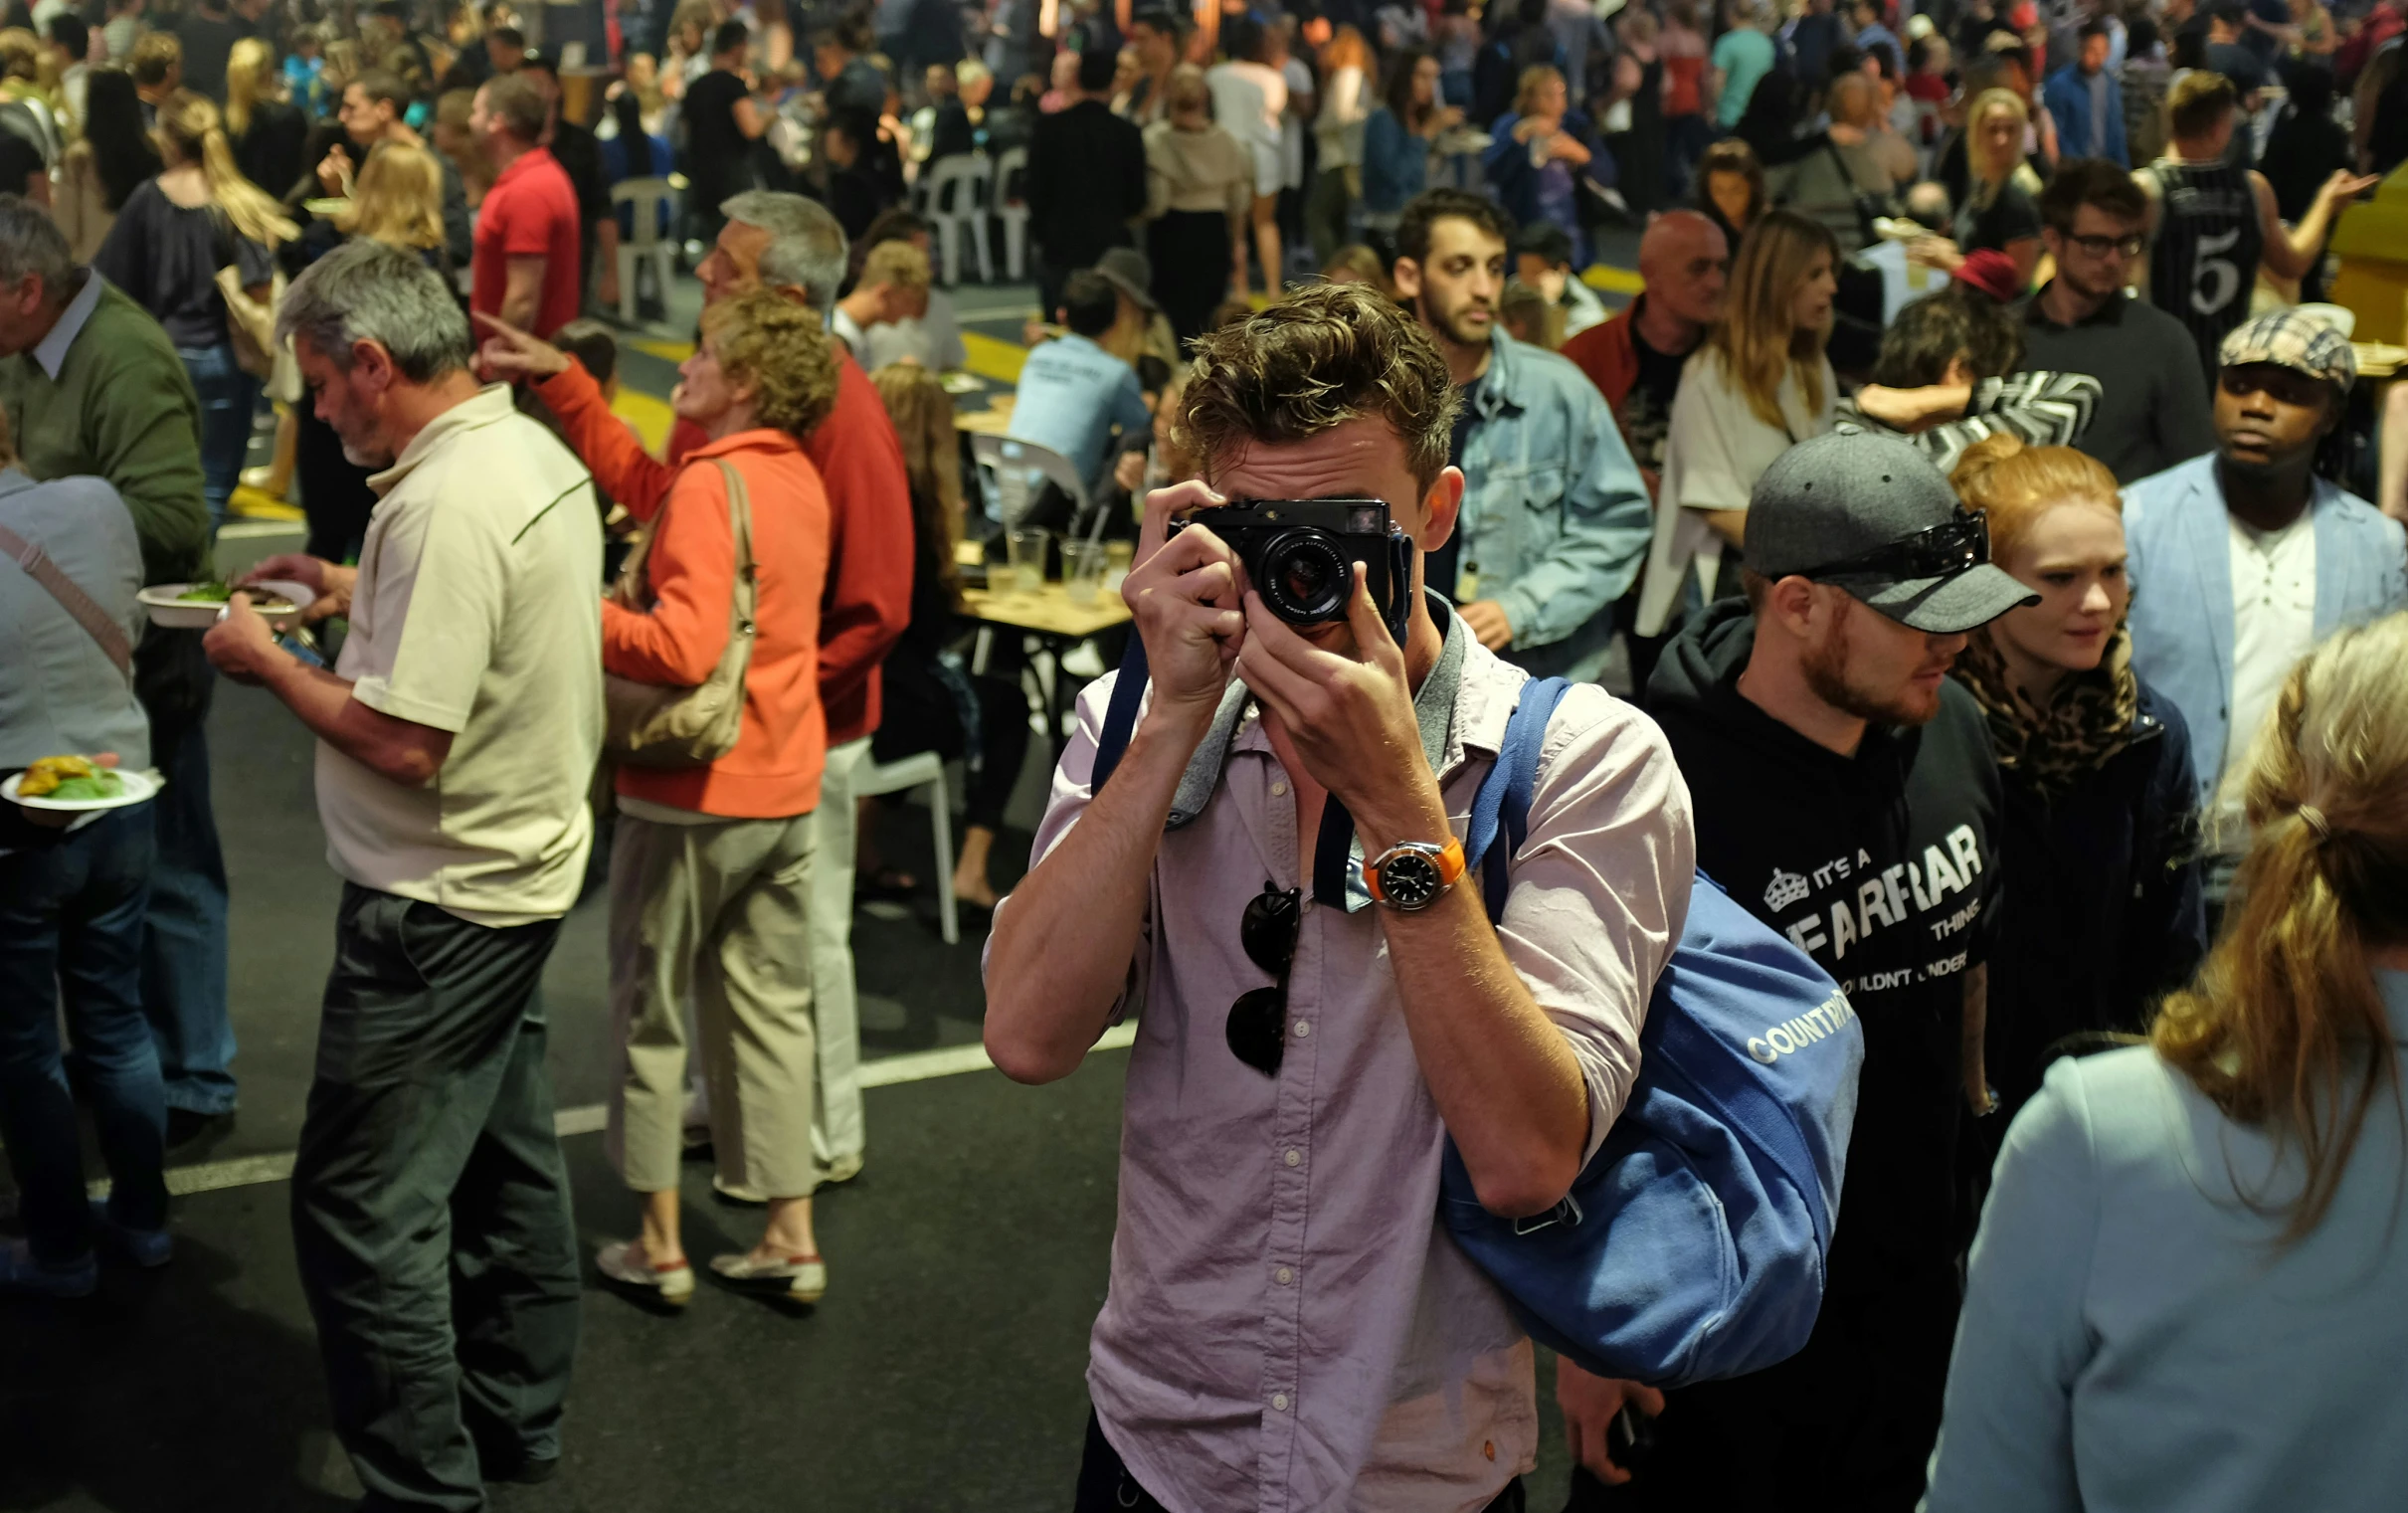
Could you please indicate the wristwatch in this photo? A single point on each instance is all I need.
(1413, 875)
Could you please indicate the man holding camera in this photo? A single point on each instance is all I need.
(1273, 873)
(1555, 519)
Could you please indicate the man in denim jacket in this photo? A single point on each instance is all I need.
(1555, 519)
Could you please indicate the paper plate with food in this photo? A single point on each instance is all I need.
(76, 783)
(196, 605)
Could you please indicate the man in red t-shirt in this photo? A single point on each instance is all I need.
(527, 248)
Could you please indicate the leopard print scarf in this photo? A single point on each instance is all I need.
(2090, 719)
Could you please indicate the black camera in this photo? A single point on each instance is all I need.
(1300, 555)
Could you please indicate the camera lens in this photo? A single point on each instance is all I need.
(1303, 577)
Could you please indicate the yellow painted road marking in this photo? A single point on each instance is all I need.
(992, 357)
(1614, 280)
(651, 417)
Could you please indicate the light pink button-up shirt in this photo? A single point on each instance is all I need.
(1289, 1327)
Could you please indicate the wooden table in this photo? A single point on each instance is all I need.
(990, 421)
(1059, 624)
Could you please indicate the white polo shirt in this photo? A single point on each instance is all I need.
(478, 610)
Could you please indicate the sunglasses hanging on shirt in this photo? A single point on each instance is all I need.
(1258, 1020)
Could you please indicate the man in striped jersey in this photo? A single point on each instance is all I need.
(2212, 225)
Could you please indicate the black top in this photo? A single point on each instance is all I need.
(715, 146)
(271, 152)
(1884, 868)
(167, 258)
(206, 44)
(20, 161)
(2117, 924)
(580, 157)
(1647, 417)
(953, 134)
(1442, 569)
(855, 196)
(2009, 216)
(2203, 261)
(2152, 410)
(2237, 64)
(1087, 182)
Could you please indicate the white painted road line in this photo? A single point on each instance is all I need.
(916, 1067)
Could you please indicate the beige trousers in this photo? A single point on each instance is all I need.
(720, 910)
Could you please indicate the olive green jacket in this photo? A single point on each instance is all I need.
(104, 394)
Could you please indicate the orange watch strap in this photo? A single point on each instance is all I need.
(1450, 868)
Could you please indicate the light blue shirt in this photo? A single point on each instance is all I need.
(2176, 528)
(1554, 513)
(59, 691)
(2133, 1340)
(1072, 396)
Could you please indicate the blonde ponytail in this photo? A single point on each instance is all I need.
(2283, 1027)
(189, 131)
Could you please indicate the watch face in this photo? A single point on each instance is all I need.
(1410, 880)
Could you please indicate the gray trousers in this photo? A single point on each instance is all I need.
(430, 1206)
(719, 910)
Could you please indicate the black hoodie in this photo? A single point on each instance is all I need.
(1884, 867)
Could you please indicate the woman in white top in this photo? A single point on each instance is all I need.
(1248, 98)
(1347, 78)
(2190, 1288)
(1757, 386)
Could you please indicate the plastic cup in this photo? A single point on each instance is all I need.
(1083, 571)
(1027, 557)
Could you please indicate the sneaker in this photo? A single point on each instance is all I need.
(25, 1276)
(805, 1276)
(625, 1263)
(148, 1248)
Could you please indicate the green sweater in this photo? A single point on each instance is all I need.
(121, 409)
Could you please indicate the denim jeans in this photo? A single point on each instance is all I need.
(71, 928)
(228, 397)
(184, 942)
(430, 1203)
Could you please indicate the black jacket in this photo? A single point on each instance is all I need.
(2104, 917)
(1884, 867)
(1087, 182)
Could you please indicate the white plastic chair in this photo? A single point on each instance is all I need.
(925, 770)
(649, 197)
(953, 197)
(1013, 461)
(1012, 208)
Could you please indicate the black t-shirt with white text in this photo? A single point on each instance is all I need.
(1884, 868)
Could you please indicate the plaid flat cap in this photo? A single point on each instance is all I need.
(2290, 339)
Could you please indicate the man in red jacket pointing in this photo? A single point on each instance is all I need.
(792, 245)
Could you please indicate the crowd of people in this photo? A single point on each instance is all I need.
(1964, 495)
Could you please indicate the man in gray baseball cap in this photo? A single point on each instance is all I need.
(1845, 793)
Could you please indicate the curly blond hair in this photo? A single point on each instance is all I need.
(783, 350)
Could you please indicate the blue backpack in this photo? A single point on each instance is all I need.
(1692, 1245)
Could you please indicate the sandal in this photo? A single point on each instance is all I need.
(805, 1276)
(624, 1263)
(885, 882)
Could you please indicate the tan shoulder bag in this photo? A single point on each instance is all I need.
(657, 725)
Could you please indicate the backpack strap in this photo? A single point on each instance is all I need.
(1120, 716)
(79, 605)
(1502, 798)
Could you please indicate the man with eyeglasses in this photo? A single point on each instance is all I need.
(2151, 411)
(1271, 881)
(2244, 558)
(1847, 796)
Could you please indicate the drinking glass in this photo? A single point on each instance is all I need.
(1027, 549)
(1082, 571)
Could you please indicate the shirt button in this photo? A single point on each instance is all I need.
(1295, 1158)
(1279, 790)
(1304, 1028)
(1279, 1402)
(1285, 1275)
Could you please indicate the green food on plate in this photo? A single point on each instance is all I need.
(206, 593)
(100, 784)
